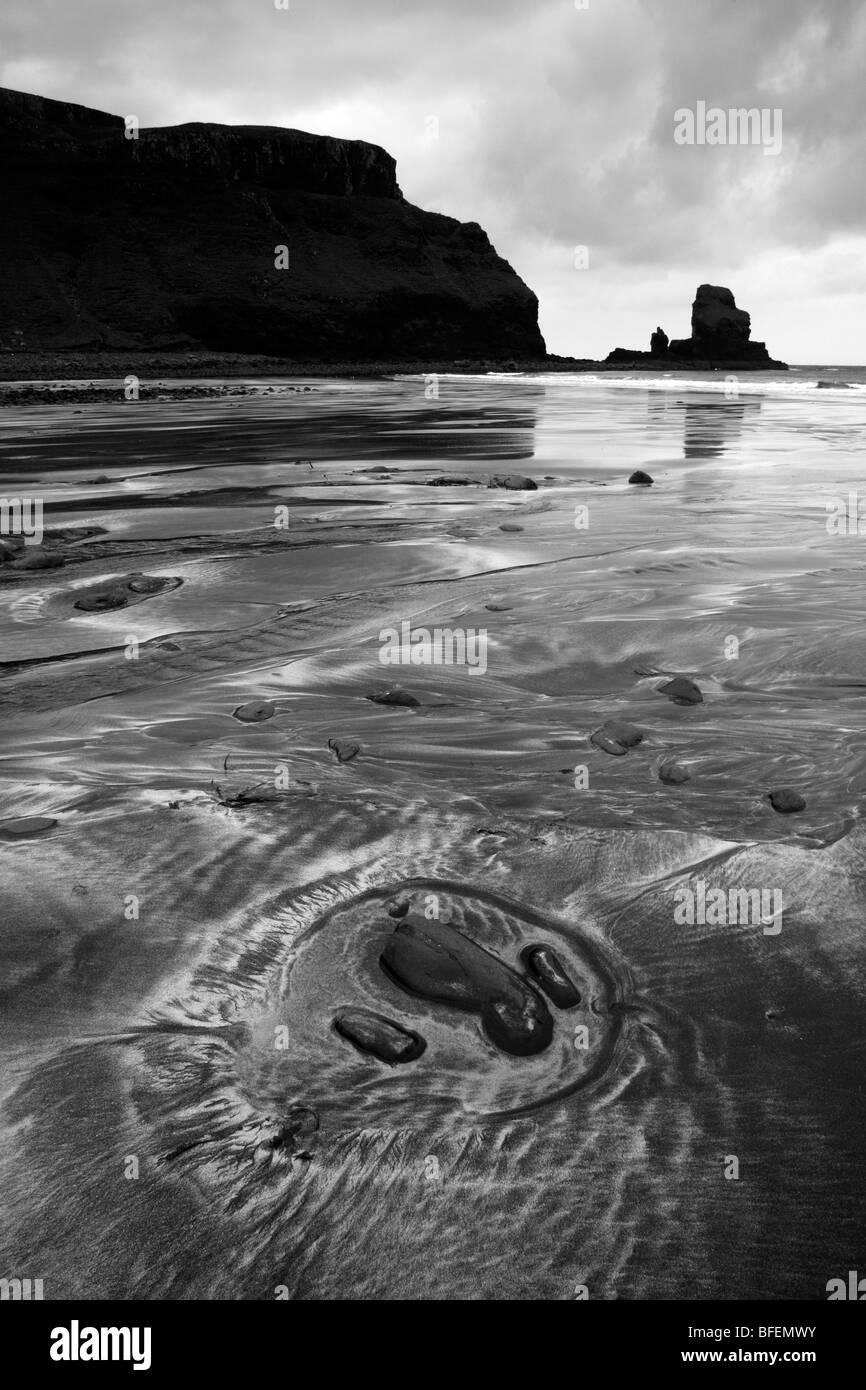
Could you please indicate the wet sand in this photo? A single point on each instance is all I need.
(200, 894)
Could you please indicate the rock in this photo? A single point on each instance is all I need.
(681, 691)
(616, 738)
(498, 607)
(715, 316)
(149, 583)
(510, 526)
(255, 711)
(673, 774)
(344, 750)
(641, 479)
(786, 800)
(439, 963)
(21, 827)
(399, 909)
(380, 1036)
(394, 696)
(7, 553)
(117, 593)
(103, 601)
(607, 744)
(721, 333)
(513, 482)
(834, 386)
(547, 970)
(448, 482)
(372, 277)
(720, 338)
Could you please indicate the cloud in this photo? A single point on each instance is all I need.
(550, 125)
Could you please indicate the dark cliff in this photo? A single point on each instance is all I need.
(170, 239)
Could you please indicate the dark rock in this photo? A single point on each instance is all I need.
(439, 963)
(344, 750)
(641, 479)
(834, 386)
(148, 584)
(510, 526)
(385, 1039)
(498, 607)
(715, 316)
(103, 601)
(608, 744)
(21, 827)
(370, 275)
(547, 970)
(7, 553)
(681, 691)
(720, 338)
(394, 696)
(448, 482)
(786, 800)
(255, 711)
(673, 774)
(616, 738)
(514, 482)
(399, 909)
(117, 593)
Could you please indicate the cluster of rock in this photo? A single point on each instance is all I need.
(720, 339)
(434, 961)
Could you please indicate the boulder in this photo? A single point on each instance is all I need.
(380, 1036)
(513, 482)
(394, 696)
(255, 711)
(547, 970)
(438, 963)
(616, 737)
(786, 800)
(681, 691)
(673, 774)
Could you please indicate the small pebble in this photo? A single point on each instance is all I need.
(786, 800)
(681, 691)
(393, 697)
(673, 774)
(255, 711)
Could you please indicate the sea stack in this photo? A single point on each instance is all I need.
(720, 339)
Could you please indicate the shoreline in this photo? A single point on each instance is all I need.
(35, 378)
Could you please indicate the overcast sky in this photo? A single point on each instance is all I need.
(551, 125)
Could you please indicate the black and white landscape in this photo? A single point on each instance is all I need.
(432, 670)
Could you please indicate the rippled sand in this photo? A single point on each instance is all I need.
(180, 1118)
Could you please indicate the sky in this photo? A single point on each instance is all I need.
(553, 123)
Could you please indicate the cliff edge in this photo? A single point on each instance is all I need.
(167, 239)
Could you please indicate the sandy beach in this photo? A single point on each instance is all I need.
(211, 827)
